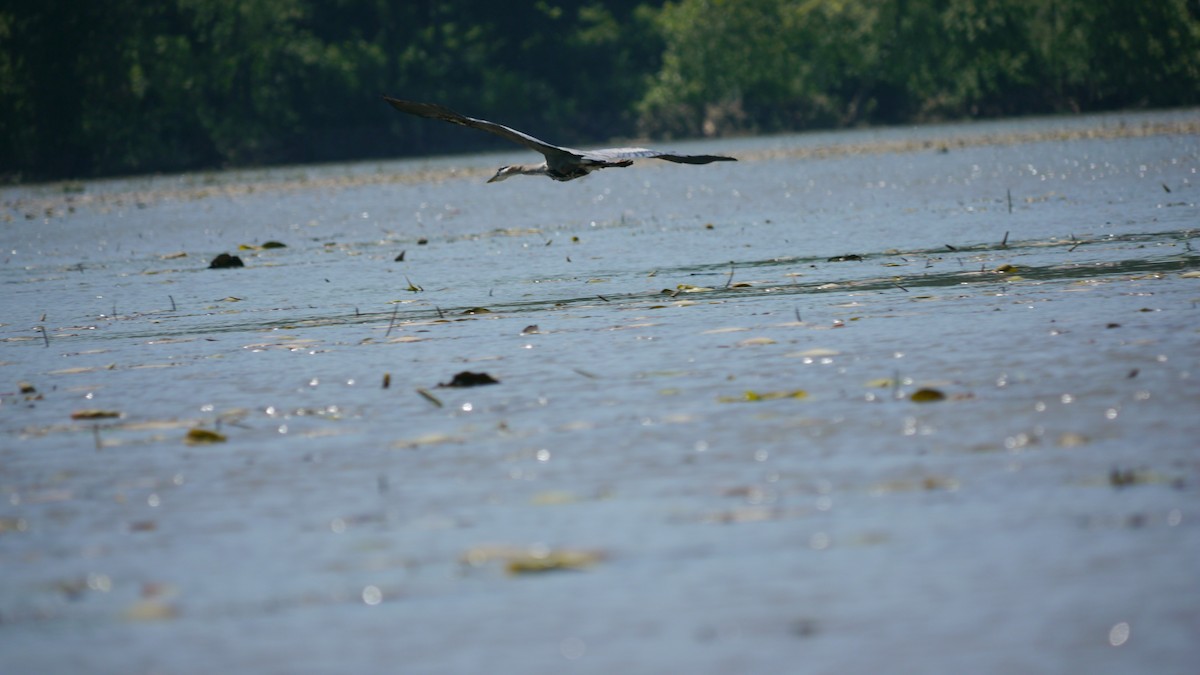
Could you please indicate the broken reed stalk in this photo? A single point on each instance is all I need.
(392, 323)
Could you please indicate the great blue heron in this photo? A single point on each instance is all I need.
(561, 163)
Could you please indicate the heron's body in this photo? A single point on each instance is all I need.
(561, 163)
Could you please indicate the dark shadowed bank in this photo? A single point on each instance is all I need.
(93, 89)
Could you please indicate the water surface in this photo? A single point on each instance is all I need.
(704, 410)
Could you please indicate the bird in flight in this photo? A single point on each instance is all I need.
(561, 163)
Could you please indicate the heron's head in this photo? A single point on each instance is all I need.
(504, 172)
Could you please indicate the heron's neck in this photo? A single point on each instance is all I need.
(530, 169)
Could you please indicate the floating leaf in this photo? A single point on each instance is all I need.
(203, 436)
(477, 310)
(13, 525)
(1070, 439)
(93, 414)
(553, 561)
(426, 440)
(553, 498)
(816, 352)
(150, 610)
(927, 395)
(850, 257)
(1006, 269)
(753, 396)
(273, 244)
(756, 342)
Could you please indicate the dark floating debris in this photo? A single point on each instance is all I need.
(399, 258)
(225, 261)
(1120, 478)
(468, 379)
(274, 244)
(422, 241)
(203, 437)
(927, 395)
(849, 257)
(531, 329)
(94, 414)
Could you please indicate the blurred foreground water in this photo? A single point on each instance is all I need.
(704, 451)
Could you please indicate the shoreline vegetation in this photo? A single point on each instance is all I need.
(125, 88)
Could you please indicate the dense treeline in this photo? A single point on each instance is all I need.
(125, 86)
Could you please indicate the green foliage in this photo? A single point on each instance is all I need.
(91, 89)
(765, 65)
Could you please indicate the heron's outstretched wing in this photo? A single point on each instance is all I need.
(441, 112)
(611, 154)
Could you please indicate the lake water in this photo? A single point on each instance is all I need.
(705, 419)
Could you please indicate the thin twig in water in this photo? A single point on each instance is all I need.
(45, 338)
(797, 311)
(430, 397)
(897, 285)
(1004, 241)
(602, 297)
(439, 311)
(730, 279)
(1010, 201)
(392, 323)
(96, 436)
(172, 302)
